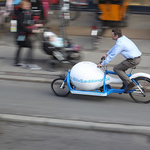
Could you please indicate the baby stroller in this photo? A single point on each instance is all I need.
(62, 51)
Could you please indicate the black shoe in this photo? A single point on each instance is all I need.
(129, 87)
(18, 64)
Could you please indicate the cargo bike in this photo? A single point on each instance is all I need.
(100, 82)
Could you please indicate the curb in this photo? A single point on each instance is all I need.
(25, 79)
(110, 127)
(39, 80)
(29, 77)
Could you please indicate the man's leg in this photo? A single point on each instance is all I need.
(120, 71)
(123, 66)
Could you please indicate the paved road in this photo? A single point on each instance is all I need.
(37, 99)
(110, 107)
(16, 136)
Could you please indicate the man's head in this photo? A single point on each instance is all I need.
(116, 33)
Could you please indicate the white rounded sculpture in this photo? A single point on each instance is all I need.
(86, 76)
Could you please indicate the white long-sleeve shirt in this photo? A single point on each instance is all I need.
(124, 46)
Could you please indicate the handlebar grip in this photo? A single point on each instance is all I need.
(102, 59)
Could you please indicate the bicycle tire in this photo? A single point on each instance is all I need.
(145, 86)
(55, 86)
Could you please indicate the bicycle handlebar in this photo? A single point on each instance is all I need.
(102, 59)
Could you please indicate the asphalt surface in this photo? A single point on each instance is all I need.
(79, 31)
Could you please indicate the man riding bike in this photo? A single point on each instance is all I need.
(129, 50)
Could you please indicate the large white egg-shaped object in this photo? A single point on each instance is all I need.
(86, 76)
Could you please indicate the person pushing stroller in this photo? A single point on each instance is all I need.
(23, 35)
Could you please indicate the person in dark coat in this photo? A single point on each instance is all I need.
(24, 22)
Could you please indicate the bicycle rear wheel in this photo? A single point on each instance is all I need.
(144, 84)
(60, 87)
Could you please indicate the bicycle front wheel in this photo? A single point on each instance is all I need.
(60, 87)
(142, 96)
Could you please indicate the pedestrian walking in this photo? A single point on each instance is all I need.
(24, 31)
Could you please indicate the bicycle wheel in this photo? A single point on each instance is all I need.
(144, 84)
(60, 87)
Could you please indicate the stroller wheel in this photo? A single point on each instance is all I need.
(52, 65)
(74, 55)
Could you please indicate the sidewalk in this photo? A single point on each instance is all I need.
(79, 31)
(8, 71)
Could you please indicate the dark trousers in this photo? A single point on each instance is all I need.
(24, 44)
(123, 66)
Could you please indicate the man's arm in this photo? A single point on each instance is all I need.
(112, 53)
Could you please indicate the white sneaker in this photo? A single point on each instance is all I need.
(33, 67)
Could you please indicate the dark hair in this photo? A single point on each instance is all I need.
(117, 31)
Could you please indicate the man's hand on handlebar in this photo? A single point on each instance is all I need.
(99, 65)
(103, 56)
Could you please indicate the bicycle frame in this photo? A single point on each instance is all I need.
(107, 89)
